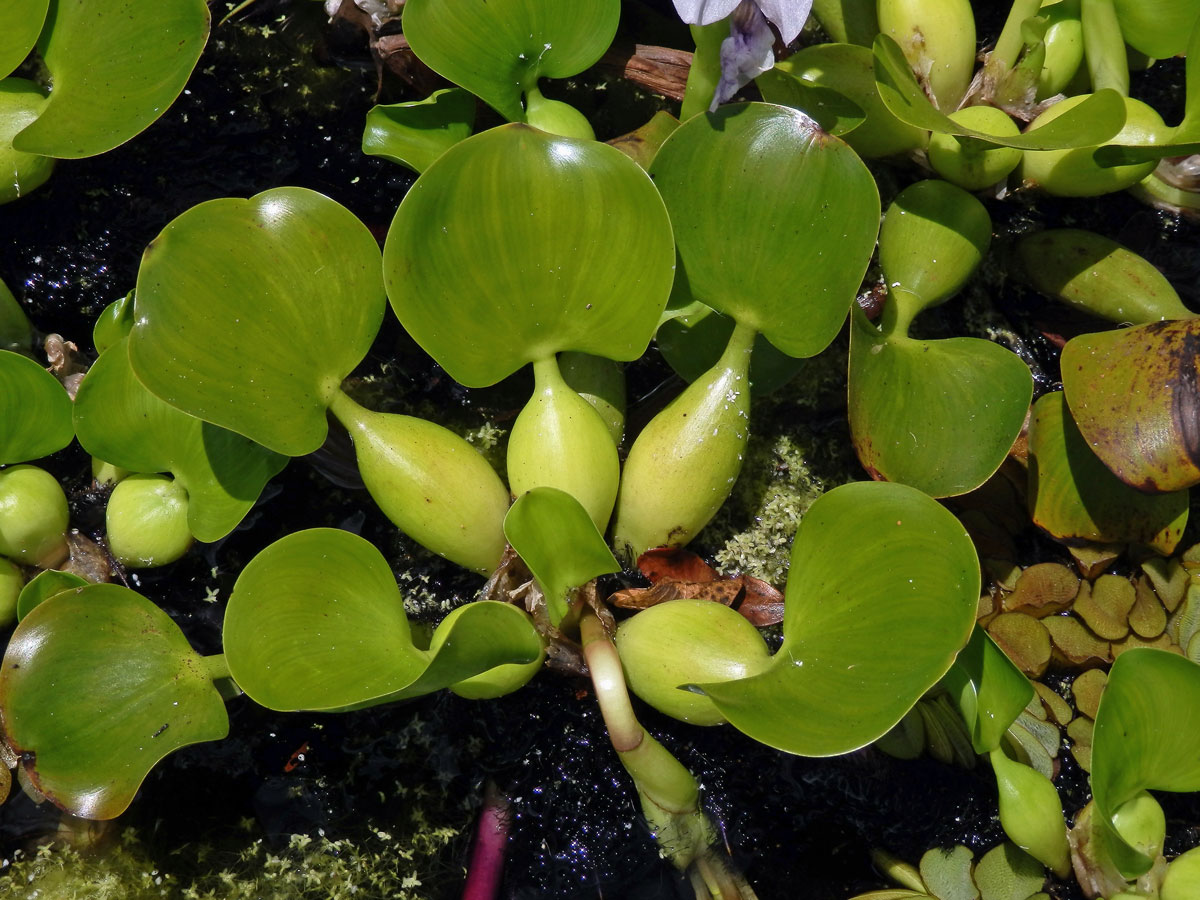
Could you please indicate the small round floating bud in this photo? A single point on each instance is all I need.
(556, 117)
(147, 521)
(684, 642)
(1182, 881)
(970, 163)
(33, 517)
(1075, 173)
(495, 682)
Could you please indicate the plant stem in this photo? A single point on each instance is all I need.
(1008, 45)
(669, 793)
(491, 837)
(1104, 46)
(705, 71)
(216, 666)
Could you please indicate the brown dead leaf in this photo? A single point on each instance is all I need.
(674, 563)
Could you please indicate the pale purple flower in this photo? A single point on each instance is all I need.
(747, 52)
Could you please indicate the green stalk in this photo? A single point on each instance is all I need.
(705, 72)
(669, 793)
(1009, 44)
(432, 484)
(1104, 46)
(215, 666)
(560, 441)
(601, 382)
(901, 308)
(683, 465)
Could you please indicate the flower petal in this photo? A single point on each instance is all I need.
(704, 12)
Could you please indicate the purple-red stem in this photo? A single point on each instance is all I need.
(491, 840)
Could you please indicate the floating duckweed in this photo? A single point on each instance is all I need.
(307, 868)
(783, 474)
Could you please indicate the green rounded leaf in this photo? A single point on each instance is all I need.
(43, 586)
(35, 411)
(498, 49)
(1093, 121)
(97, 686)
(517, 244)
(781, 240)
(121, 422)
(1075, 498)
(20, 103)
(20, 24)
(557, 539)
(415, 134)
(938, 415)
(1135, 394)
(881, 596)
(96, 107)
(251, 312)
(316, 622)
(1131, 750)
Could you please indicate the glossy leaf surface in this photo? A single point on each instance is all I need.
(939, 415)
(781, 240)
(20, 23)
(989, 690)
(415, 134)
(121, 422)
(1076, 498)
(316, 622)
(881, 596)
(1135, 394)
(96, 106)
(97, 686)
(1093, 122)
(1132, 751)
(251, 312)
(497, 49)
(517, 244)
(35, 411)
(555, 536)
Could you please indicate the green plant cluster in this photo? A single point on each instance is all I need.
(736, 236)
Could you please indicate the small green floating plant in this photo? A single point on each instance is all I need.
(740, 236)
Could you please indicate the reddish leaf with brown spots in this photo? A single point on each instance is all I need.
(680, 574)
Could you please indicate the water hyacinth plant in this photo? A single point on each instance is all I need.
(533, 272)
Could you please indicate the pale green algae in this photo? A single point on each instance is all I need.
(307, 868)
(799, 448)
